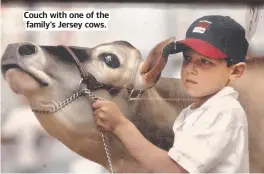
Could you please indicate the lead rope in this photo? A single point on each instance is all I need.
(94, 99)
(107, 151)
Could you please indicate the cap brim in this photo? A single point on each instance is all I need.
(200, 46)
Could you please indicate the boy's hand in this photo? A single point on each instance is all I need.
(107, 115)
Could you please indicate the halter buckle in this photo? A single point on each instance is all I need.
(132, 93)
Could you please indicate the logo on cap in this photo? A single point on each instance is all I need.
(201, 26)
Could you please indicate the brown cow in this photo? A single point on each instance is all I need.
(46, 75)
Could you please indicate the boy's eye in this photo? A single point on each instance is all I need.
(186, 58)
(203, 61)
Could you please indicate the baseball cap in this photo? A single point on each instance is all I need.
(215, 36)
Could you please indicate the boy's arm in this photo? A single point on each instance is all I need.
(148, 155)
(109, 118)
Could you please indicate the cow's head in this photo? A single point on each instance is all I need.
(47, 75)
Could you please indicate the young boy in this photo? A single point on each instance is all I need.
(211, 135)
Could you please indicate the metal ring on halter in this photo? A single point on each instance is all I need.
(86, 91)
(83, 87)
(82, 83)
(133, 98)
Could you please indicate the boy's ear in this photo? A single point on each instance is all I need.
(237, 70)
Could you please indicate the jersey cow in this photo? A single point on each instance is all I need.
(48, 75)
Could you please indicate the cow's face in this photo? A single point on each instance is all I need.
(47, 75)
(51, 69)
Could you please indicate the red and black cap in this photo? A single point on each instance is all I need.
(215, 36)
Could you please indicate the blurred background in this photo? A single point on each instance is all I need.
(25, 146)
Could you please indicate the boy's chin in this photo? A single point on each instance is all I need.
(197, 94)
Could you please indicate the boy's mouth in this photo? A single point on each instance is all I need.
(191, 81)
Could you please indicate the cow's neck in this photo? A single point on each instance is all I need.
(154, 117)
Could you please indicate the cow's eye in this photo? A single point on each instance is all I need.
(110, 60)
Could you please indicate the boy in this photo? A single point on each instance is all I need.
(211, 135)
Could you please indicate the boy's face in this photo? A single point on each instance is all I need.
(203, 76)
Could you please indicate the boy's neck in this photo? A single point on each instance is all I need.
(200, 101)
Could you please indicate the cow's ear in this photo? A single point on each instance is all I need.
(151, 68)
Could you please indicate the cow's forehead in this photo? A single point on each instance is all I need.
(83, 53)
(119, 43)
(62, 54)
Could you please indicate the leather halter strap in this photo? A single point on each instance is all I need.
(93, 84)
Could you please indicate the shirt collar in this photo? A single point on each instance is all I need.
(227, 90)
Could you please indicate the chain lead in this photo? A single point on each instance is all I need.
(82, 92)
(87, 91)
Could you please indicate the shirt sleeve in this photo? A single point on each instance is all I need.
(197, 150)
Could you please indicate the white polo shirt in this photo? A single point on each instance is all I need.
(214, 137)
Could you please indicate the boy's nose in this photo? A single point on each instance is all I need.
(192, 68)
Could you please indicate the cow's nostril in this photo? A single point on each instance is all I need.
(27, 49)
